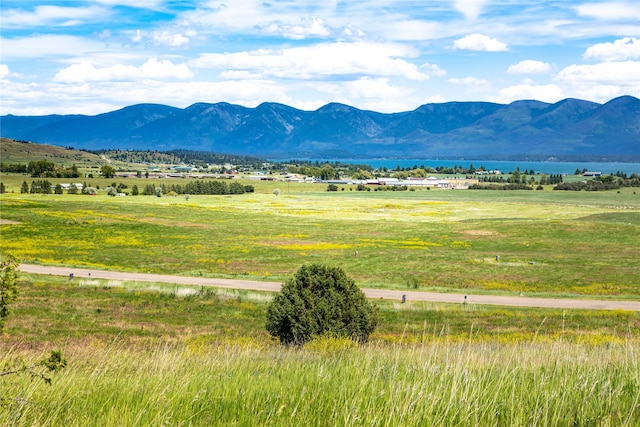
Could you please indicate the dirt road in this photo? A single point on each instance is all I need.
(515, 301)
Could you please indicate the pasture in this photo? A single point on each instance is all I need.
(532, 242)
(155, 354)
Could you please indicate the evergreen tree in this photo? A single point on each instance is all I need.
(320, 300)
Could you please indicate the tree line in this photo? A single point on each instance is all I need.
(199, 187)
(41, 169)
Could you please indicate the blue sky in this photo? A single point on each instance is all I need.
(95, 56)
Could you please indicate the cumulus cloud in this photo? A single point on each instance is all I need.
(152, 69)
(529, 66)
(598, 83)
(619, 73)
(625, 48)
(319, 62)
(479, 42)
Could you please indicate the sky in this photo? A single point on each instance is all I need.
(95, 56)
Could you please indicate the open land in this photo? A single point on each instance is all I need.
(150, 353)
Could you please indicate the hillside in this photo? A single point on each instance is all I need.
(571, 129)
(20, 152)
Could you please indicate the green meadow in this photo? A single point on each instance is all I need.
(156, 354)
(532, 242)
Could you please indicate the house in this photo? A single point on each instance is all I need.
(68, 186)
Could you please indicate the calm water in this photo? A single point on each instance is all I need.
(503, 166)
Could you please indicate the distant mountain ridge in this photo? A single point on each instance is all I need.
(523, 130)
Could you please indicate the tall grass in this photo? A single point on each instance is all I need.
(336, 383)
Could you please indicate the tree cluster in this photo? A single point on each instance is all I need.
(13, 167)
(608, 182)
(500, 187)
(198, 187)
(46, 169)
(38, 187)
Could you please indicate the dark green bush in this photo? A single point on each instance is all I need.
(320, 300)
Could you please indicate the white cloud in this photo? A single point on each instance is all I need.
(471, 9)
(152, 69)
(545, 93)
(479, 42)
(610, 10)
(597, 83)
(377, 94)
(4, 71)
(374, 89)
(529, 66)
(166, 37)
(625, 48)
(432, 70)
(170, 39)
(620, 73)
(309, 27)
(51, 15)
(321, 61)
(136, 37)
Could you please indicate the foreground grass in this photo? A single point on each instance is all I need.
(154, 354)
(335, 383)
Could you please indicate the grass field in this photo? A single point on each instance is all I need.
(533, 242)
(154, 354)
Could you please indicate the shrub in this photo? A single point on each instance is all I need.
(332, 187)
(320, 300)
(8, 286)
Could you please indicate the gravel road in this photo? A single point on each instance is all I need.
(515, 301)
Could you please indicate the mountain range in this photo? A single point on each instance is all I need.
(571, 129)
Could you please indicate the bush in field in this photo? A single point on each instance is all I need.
(8, 286)
(320, 301)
